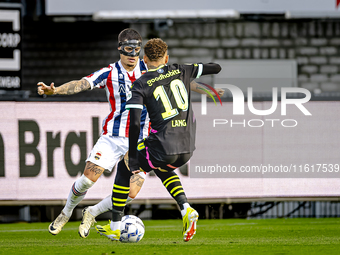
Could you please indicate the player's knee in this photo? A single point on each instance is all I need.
(92, 171)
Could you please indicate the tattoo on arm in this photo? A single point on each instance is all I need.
(73, 87)
(194, 86)
(200, 89)
(136, 178)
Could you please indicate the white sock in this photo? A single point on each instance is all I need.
(129, 199)
(114, 225)
(185, 207)
(103, 206)
(77, 193)
(106, 204)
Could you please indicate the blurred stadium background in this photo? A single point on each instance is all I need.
(42, 153)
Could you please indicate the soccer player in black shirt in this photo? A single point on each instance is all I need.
(165, 91)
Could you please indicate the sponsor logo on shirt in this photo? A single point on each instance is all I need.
(163, 76)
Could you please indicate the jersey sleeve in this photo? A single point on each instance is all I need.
(99, 78)
(194, 70)
(135, 97)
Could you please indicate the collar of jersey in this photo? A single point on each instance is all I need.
(151, 70)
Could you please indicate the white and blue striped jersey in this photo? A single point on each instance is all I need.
(117, 83)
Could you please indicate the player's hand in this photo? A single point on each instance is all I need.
(132, 164)
(43, 89)
(220, 91)
(135, 171)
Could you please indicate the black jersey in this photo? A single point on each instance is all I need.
(166, 93)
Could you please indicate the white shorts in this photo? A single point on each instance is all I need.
(108, 151)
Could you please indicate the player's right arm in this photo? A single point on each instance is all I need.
(68, 88)
(135, 105)
(135, 114)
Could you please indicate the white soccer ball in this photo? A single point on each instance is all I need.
(131, 229)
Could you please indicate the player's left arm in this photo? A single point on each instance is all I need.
(210, 68)
(194, 86)
(135, 114)
(135, 105)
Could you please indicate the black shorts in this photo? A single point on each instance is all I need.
(149, 162)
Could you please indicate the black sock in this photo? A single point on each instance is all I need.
(120, 191)
(173, 184)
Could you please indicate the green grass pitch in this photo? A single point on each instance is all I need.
(269, 236)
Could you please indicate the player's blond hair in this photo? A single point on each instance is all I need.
(155, 49)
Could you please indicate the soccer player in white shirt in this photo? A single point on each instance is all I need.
(116, 79)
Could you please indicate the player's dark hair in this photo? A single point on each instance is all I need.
(155, 49)
(129, 34)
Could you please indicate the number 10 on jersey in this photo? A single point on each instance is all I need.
(180, 94)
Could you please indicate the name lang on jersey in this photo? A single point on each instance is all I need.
(178, 123)
(163, 76)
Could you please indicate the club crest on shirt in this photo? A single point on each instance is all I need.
(120, 76)
(98, 155)
(128, 95)
(160, 71)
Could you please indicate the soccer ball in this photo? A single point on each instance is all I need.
(131, 229)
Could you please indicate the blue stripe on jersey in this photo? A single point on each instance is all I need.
(121, 82)
(101, 77)
(142, 66)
